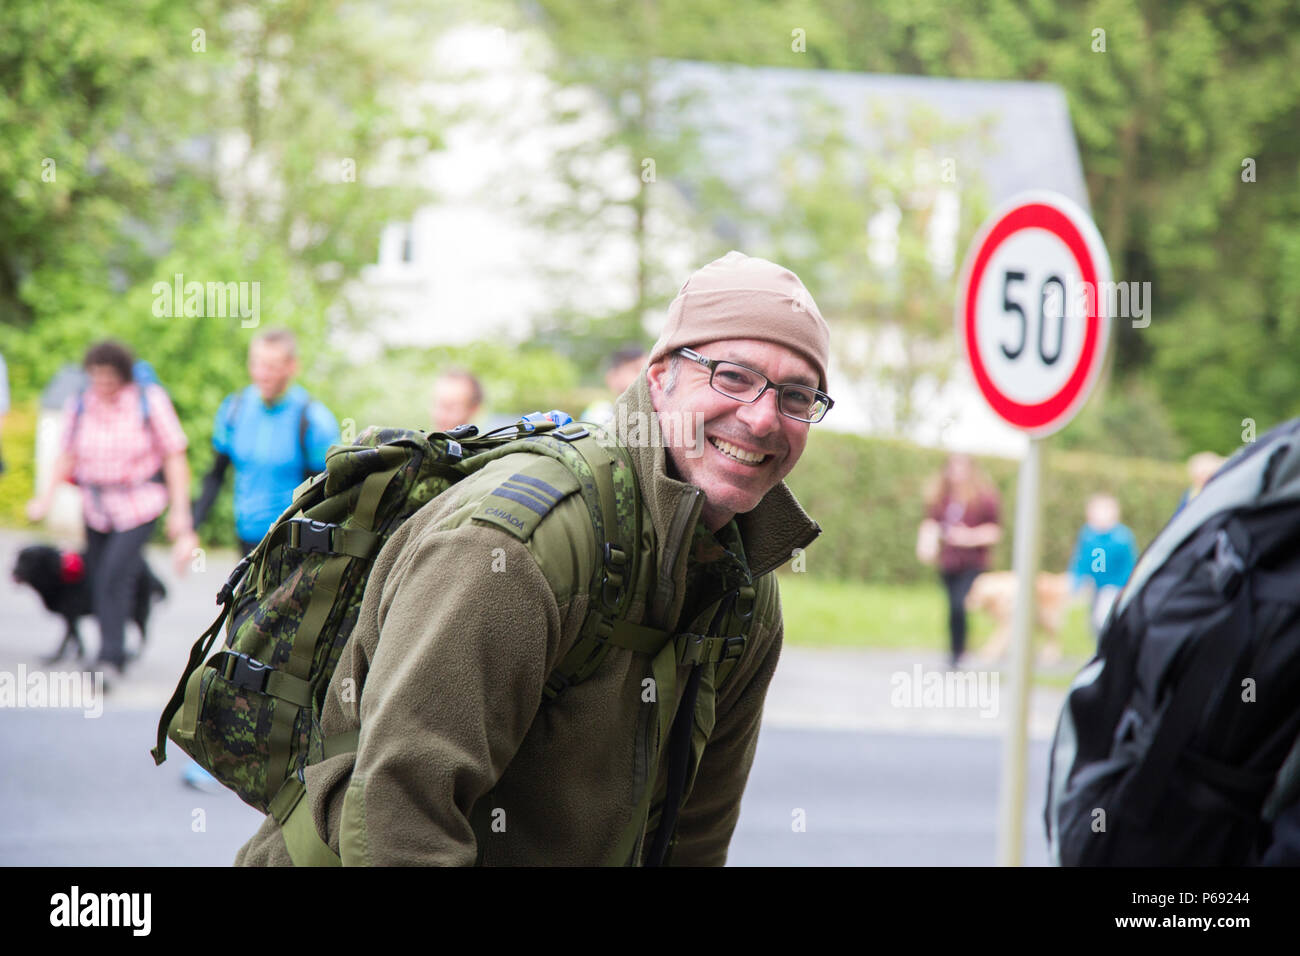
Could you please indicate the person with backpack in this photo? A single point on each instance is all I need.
(123, 445)
(275, 435)
(561, 660)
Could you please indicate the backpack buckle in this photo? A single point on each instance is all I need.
(246, 673)
(556, 685)
(227, 592)
(692, 649)
(1227, 569)
(462, 431)
(541, 422)
(746, 598)
(730, 643)
(311, 536)
(615, 565)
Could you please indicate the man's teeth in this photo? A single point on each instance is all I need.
(729, 449)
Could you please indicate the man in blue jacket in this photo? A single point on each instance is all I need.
(273, 432)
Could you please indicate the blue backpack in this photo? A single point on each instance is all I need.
(142, 374)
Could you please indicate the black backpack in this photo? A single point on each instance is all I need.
(1177, 744)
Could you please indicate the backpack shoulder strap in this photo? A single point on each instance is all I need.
(608, 485)
(146, 420)
(303, 424)
(232, 416)
(78, 410)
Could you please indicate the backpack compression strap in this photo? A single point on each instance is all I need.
(608, 487)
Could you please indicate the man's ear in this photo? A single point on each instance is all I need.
(655, 376)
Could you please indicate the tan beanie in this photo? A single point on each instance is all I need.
(740, 297)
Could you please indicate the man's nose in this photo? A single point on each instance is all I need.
(762, 417)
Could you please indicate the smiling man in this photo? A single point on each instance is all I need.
(468, 747)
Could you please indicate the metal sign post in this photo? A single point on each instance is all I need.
(1011, 791)
(1031, 321)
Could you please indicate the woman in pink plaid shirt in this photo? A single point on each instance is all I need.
(117, 444)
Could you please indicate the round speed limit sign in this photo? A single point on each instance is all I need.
(1031, 310)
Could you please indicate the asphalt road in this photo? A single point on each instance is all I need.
(85, 792)
(871, 783)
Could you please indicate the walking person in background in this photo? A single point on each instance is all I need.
(1104, 555)
(621, 370)
(124, 447)
(1200, 469)
(457, 400)
(961, 524)
(273, 432)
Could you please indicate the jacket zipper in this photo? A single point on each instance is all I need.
(664, 587)
(664, 594)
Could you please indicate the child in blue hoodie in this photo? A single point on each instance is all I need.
(1104, 556)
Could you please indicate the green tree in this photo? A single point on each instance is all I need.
(1186, 116)
(626, 180)
(878, 233)
(224, 142)
(229, 142)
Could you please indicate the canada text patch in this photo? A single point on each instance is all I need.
(520, 502)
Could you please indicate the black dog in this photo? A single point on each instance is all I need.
(60, 579)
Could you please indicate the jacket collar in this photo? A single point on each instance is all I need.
(290, 396)
(770, 532)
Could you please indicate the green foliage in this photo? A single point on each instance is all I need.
(88, 118)
(868, 496)
(227, 143)
(869, 288)
(1186, 116)
(1124, 420)
(855, 614)
(222, 142)
(396, 388)
(18, 447)
(607, 192)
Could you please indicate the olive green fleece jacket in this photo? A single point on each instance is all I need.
(462, 623)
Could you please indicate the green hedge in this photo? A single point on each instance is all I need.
(866, 493)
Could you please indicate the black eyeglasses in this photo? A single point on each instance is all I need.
(743, 384)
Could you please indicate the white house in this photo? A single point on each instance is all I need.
(469, 266)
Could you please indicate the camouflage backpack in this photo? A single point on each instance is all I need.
(250, 713)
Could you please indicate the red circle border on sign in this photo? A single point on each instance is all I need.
(1035, 215)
